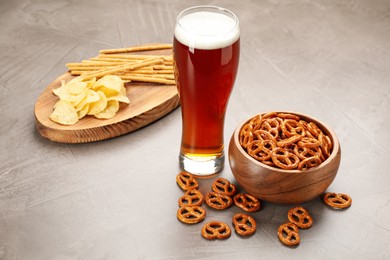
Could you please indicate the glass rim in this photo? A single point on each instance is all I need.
(221, 10)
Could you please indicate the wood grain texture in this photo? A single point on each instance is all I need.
(148, 102)
(283, 186)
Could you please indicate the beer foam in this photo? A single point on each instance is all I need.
(207, 30)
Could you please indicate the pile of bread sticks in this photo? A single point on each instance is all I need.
(129, 64)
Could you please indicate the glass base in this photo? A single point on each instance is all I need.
(202, 166)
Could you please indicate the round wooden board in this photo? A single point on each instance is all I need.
(148, 102)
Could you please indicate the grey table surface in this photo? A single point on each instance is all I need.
(117, 199)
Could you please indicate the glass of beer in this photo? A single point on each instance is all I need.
(206, 49)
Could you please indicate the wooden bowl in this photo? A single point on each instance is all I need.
(283, 186)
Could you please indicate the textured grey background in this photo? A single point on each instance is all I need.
(117, 199)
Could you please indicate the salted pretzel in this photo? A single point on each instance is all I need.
(191, 198)
(191, 214)
(325, 144)
(284, 159)
(289, 141)
(308, 142)
(254, 149)
(288, 116)
(337, 200)
(186, 181)
(270, 115)
(261, 150)
(292, 127)
(217, 200)
(271, 125)
(244, 224)
(246, 135)
(263, 135)
(223, 186)
(304, 152)
(247, 202)
(300, 217)
(313, 129)
(288, 234)
(304, 144)
(304, 124)
(256, 122)
(309, 163)
(216, 230)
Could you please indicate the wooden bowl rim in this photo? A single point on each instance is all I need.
(323, 126)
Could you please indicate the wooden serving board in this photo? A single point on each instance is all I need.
(148, 102)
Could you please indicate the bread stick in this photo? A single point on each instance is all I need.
(121, 68)
(152, 79)
(138, 48)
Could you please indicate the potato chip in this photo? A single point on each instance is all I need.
(107, 92)
(81, 105)
(119, 98)
(110, 111)
(63, 94)
(91, 82)
(83, 111)
(64, 113)
(57, 90)
(76, 86)
(123, 91)
(79, 98)
(98, 106)
(110, 83)
(92, 96)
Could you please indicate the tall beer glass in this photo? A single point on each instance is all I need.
(206, 51)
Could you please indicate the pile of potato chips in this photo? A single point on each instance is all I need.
(79, 98)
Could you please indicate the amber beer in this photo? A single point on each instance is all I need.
(206, 53)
